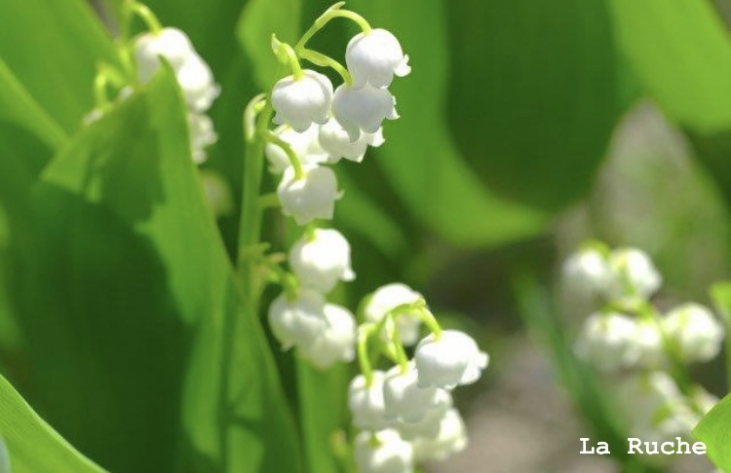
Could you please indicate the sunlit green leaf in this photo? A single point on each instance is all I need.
(714, 432)
(32, 445)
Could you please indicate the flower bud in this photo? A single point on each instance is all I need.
(694, 331)
(336, 342)
(374, 58)
(323, 260)
(387, 453)
(336, 142)
(609, 341)
(449, 360)
(366, 402)
(451, 438)
(633, 274)
(305, 145)
(362, 110)
(300, 321)
(300, 102)
(311, 197)
(388, 297)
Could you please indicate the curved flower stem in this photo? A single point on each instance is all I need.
(401, 358)
(332, 12)
(324, 60)
(431, 322)
(364, 363)
(142, 11)
(299, 171)
(269, 201)
(286, 55)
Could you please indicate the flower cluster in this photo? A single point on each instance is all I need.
(193, 75)
(630, 339)
(404, 412)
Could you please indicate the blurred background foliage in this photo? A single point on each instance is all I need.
(526, 127)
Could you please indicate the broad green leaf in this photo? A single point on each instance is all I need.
(52, 48)
(133, 299)
(32, 445)
(681, 52)
(714, 432)
(419, 159)
(534, 94)
(259, 20)
(323, 410)
(721, 295)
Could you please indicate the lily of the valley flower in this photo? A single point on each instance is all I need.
(311, 197)
(449, 359)
(366, 402)
(336, 142)
(336, 342)
(202, 135)
(374, 57)
(403, 398)
(387, 298)
(694, 331)
(299, 321)
(386, 453)
(321, 260)
(362, 110)
(634, 274)
(609, 341)
(305, 145)
(300, 102)
(450, 438)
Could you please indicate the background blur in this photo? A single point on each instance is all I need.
(526, 127)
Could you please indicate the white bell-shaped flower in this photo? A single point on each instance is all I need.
(451, 438)
(336, 142)
(633, 274)
(196, 81)
(321, 260)
(336, 342)
(386, 453)
(388, 297)
(362, 110)
(694, 332)
(202, 135)
(650, 344)
(366, 402)
(449, 360)
(305, 145)
(609, 341)
(404, 399)
(191, 71)
(429, 425)
(586, 273)
(311, 197)
(374, 58)
(300, 102)
(299, 321)
(170, 43)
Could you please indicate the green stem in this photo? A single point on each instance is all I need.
(286, 55)
(363, 361)
(431, 322)
(299, 171)
(269, 201)
(100, 90)
(332, 12)
(142, 11)
(401, 358)
(324, 60)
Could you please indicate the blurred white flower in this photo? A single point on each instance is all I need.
(404, 399)
(453, 358)
(311, 197)
(218, 193)
(305, 145)
(451, 438)
(321, 260)
(336, 342)
(362, 110)
(388, 297)
(695, 333)
(300, 102)
(633, 274)
(299, 321)
(430, 424)
(336, 142)
(366, 402)
(202, 135)
(586, 273)
(609, 341)
(374, 58)
(386, 453)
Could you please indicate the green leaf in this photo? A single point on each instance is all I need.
(52, 48)
(419, 159)
(259, 20)
(534, 94)
(134, 300)
(721, 296)
(682, 55)
(32, 445)
(714, 432)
